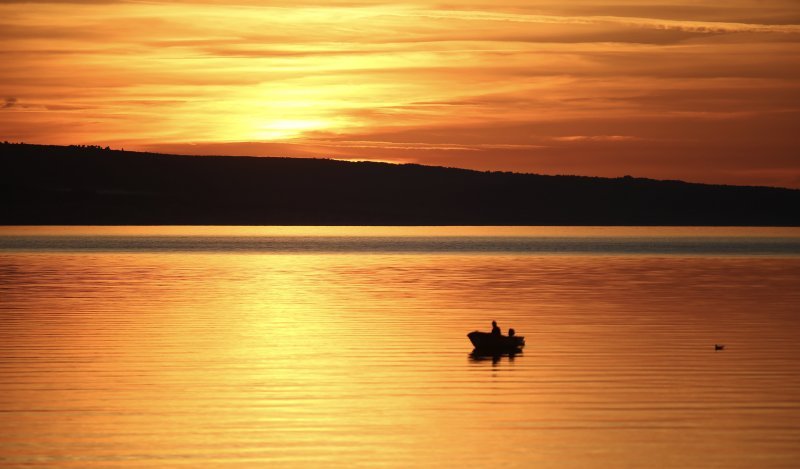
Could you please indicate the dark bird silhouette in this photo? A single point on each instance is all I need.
(719, 347)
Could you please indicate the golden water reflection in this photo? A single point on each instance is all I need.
(345, 360)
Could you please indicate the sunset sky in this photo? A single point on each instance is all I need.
(700, 90)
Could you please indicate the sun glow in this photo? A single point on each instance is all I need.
(288, 128)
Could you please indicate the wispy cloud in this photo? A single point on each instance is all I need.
(9, 103)
(596, 138)
(657, 23)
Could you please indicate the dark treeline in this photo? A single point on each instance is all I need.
(96, 186)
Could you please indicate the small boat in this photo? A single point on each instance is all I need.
(486, 341)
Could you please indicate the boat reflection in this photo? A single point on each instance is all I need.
(479, 355)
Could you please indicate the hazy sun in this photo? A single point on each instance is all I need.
(282, 129)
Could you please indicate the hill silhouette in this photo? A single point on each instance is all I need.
(89, 185)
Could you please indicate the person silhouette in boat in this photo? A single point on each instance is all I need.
(495, 329)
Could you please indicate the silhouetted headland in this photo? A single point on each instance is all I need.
(96, 186)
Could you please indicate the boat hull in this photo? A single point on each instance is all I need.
(486, 341)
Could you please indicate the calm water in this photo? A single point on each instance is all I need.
(346, 347)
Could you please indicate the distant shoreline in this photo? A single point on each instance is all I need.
(73, 185)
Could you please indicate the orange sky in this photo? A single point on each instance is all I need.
(700, 90)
